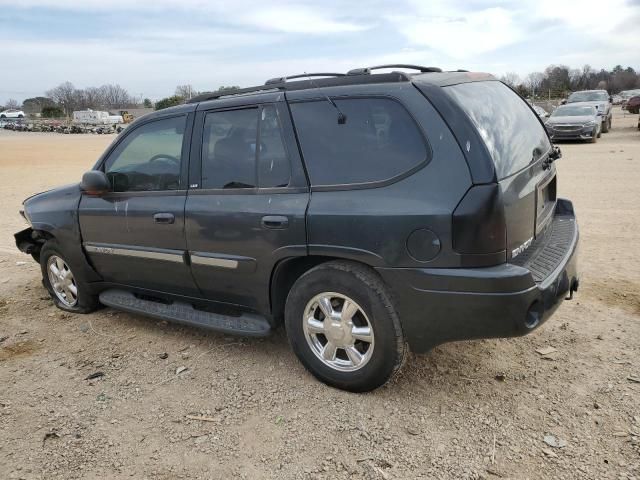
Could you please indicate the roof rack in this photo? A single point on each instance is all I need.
(277, 80)
(332, 79)
(367, 70)
(240, 91)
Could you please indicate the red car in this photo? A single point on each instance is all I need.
(633, 104)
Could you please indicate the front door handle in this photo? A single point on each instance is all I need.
(165, 218)
(275, 222)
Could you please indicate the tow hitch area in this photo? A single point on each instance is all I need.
(573, 288)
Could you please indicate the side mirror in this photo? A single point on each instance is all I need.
(563, 101)
(95, 182)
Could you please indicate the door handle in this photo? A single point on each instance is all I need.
(275, 222)
(165, 218)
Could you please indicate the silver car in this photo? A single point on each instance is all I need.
(574, 122)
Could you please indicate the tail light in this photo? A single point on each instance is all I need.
(479, 225)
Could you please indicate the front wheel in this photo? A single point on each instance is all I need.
(67, 292)
(606, 126)
(342, 325)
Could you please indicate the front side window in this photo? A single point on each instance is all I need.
(149, 158)
(511, 132)
(378, 141)
(234, 157)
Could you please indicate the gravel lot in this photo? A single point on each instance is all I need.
(247, 409)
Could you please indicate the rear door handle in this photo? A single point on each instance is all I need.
(275, 222)
(164, 218)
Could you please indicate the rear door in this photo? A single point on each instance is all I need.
(519, 147)
(134, 235)
(246, 207)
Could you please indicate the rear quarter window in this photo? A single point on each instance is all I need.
(511, 131)
(378, 141)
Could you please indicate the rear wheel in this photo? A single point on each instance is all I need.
(342, 325)
(67, 292)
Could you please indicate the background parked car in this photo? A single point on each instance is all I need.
(12, 113)
(542, 113)
(597, 98)
(627, 95)
(633, 104)
(574, 122)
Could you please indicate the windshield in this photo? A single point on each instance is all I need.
(573, 111)
(588, 97)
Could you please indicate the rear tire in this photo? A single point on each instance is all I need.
(67, 292)
(358, 350)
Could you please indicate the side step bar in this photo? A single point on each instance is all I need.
(248, 325)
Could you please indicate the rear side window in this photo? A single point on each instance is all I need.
(379, 140)
(234, 157)
(511, 131)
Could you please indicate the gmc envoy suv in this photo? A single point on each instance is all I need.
(369, 213)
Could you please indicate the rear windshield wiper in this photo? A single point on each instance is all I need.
(554, 155)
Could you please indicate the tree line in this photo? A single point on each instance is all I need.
(557, 81)
(64, 99)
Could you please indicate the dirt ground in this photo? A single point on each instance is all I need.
(247, 409)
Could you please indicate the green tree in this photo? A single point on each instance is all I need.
(52, 111)
(147, 103)
(169, 102)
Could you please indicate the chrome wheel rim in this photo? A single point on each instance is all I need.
(62, 281)
(338, 331)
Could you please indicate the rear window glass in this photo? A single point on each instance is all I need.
(512, 132)
(378, 141)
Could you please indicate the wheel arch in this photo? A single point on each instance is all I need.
(287, 271)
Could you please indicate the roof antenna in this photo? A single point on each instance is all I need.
(342, 118)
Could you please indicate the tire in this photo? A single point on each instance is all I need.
(594, 137)
(380, 358)
(3, 116)
(84, 302)
(20, 116)
(606, 126)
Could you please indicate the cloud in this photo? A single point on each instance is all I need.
(458, 33)
(161, 43)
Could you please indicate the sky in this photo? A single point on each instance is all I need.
(150, 46)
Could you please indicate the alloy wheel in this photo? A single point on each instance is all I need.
(62, 281)
(338, 331)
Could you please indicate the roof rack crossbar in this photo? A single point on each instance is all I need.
(278, 80)
(367, 70)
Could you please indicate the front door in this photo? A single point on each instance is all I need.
(134, 235)
(248, 210)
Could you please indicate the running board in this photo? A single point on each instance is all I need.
(246, 324)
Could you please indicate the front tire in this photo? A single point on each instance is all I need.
(68, 293)
(606, 126)
(342, 325)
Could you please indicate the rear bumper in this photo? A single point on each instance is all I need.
(512, 299)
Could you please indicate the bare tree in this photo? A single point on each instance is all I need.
(11, 103)
(64, 95)
(533, 82)
(185, 91)
(510, 78)
(114, 96)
